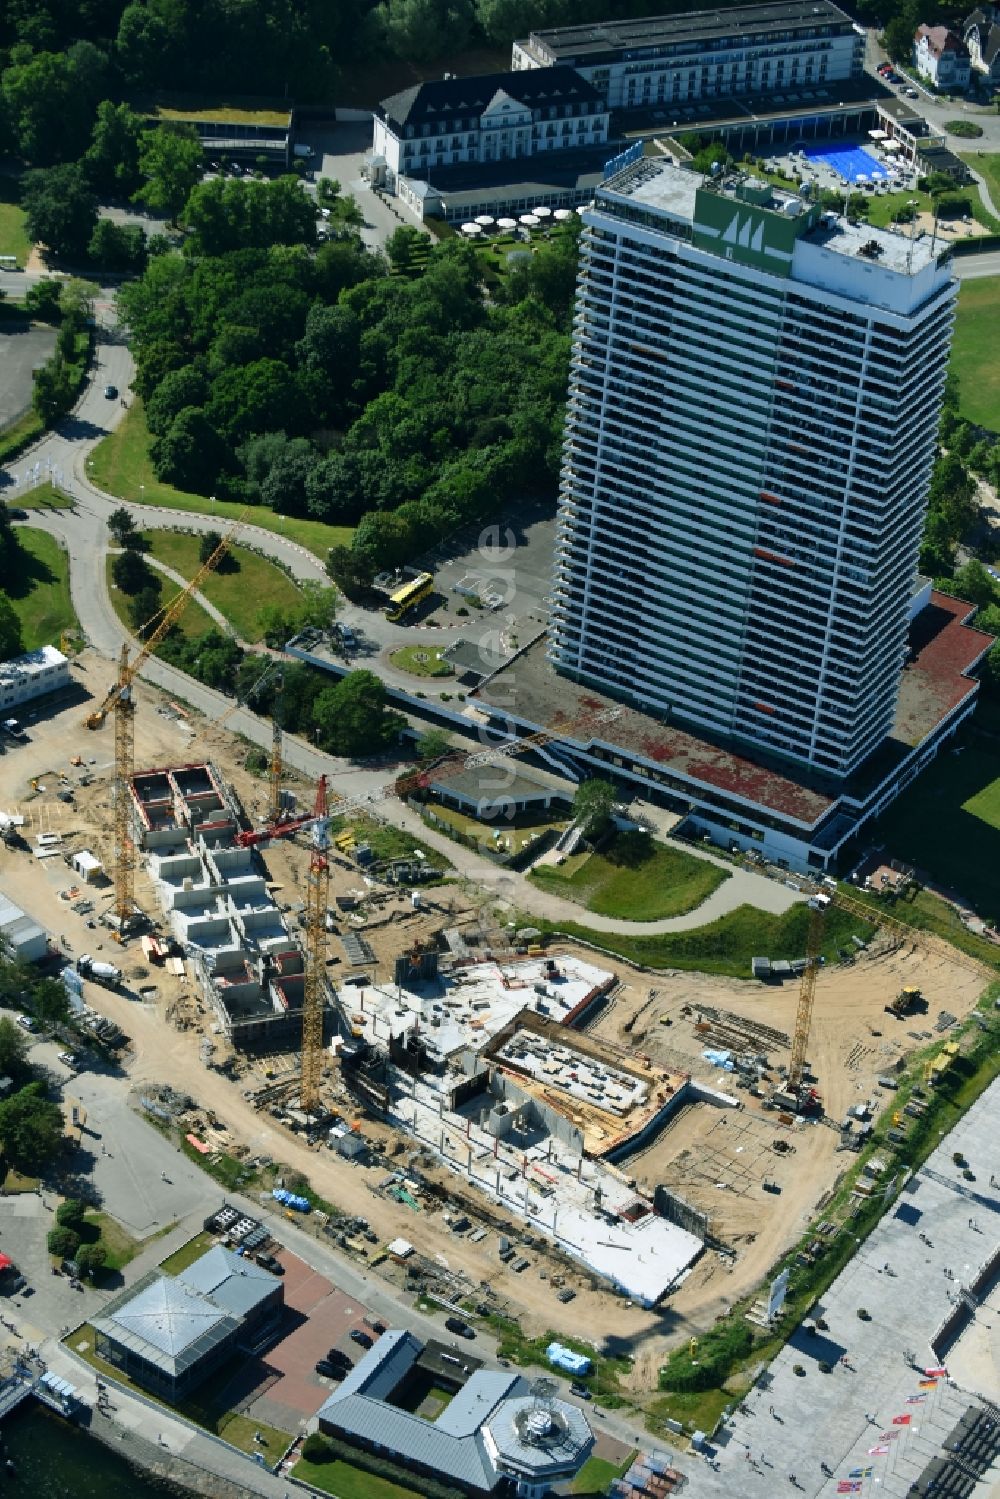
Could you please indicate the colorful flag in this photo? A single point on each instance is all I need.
(915, 1399)
(927, 1384)
(861, 1473)
(938, 1372)
(901, 1420)
(846, 1487)
(879, 1451)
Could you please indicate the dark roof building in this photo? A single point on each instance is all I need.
(474, 124)
(450, 100)
(497, 1427)
(703, 53)
(981, 31)
(168, 1333)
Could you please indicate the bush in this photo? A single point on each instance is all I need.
(63, 1243)
(69, 1214)
(798, 1371)
(824, 1367)
(316, 1448)
(864, 1315)
(967, 129)
(91, 1259)
(713, 1361)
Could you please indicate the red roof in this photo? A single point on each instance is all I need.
(6, 1263)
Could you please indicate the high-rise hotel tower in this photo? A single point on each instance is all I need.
(753, 410)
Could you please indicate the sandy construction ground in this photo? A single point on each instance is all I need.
(717, 1159)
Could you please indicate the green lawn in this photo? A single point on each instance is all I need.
(193, 622)
(120, 465)
(119, 1245)
(19, 435)
(188, 1253)
(13, 239)
(44, 497)
(948, 823)
(723, 946)
(987, 164)
(421, 661)
(239, 593)
(347, 1482)
(662, 881)
(40, 594)
(973, 353)
(597, 1473)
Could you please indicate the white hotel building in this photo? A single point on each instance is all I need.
(752, 419)
(789, 46)
(485, 120)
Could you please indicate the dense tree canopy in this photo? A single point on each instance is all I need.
(31, 1128)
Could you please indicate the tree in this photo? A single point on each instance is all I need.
(44, 300)
(70, 1214)
(63, 1242)
(432, 745)
(210, 542)
(53, 390)
(403, 245)
(120, 524)
(897, 38)
(118, 247)
(353, 572)
(91, 1259)
(352, 717)
(130, 571)
(145, 608)
(49, 1001)
(49, 102)
(31, 1128)
(11, 644)
(60, 209)
(171, 160)
(112, 159)
(178, 388)
(191, 454)
(593, 805)
(415, 29)
(974, 583)
(13, 1048)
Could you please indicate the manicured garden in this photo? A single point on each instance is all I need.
(635, 878)
(244, 584)
(194, 621)
(420, 661)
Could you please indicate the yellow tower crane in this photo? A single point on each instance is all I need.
(121, 699)
(807, 996)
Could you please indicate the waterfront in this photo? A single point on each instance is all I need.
(54, 1460)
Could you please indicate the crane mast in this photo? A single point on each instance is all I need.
(314, 996)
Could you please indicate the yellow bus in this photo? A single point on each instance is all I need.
(407, 595)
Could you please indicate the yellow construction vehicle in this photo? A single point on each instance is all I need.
(906, 1001)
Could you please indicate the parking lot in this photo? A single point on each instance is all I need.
(282, 1388)
(22, 350)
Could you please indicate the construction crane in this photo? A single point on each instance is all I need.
(275, 767)
(121, 699)
(807, 996)
(314, 995)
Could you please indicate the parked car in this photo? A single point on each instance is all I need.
(69, 1059)
(325, 1368)
(339, 1357)
(111, 392)
(911, 93)
(361, 1338)
(455, 1324)
(26, 1023)
(580, 1390)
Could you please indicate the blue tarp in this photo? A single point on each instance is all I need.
(301, 1204)
(565, 1358)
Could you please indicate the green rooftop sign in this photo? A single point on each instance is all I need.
(739, 228)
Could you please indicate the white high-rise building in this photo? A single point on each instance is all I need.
(752, 417)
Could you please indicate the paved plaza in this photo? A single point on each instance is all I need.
(876, 1410)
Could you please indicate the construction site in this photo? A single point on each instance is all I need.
(540, 1125)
